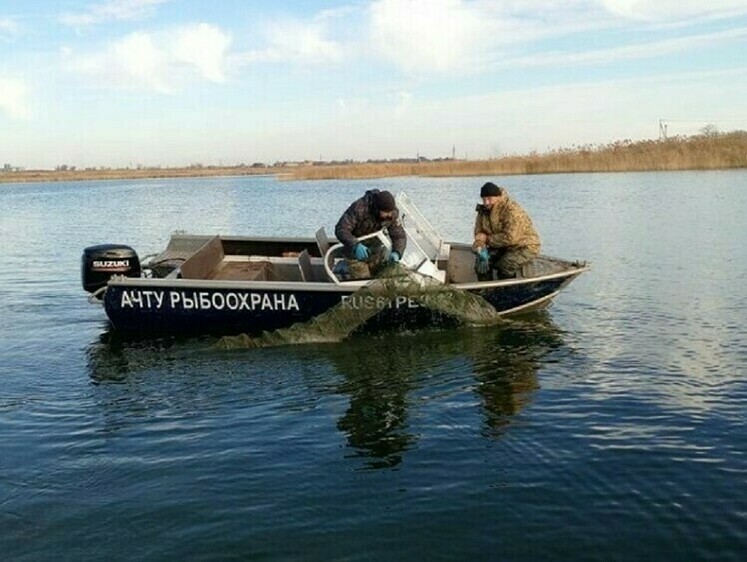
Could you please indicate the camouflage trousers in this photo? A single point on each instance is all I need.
(506, 263)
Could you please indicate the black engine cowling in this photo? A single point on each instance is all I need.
(100, 263)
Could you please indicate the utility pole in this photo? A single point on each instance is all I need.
(662, 129)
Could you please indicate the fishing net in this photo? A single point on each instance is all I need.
(395, 289)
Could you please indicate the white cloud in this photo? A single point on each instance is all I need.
(448, 36)
(427, 35)
(13, 98)
(674, 10)
(9, 29)
(113, 10)
(383, 109)
(649, 49)
(161, 62)
(204, 47)
(298, 42)
(404, 100)
(136, 58)
(537, 118)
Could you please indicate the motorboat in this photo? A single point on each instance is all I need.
(224, 285)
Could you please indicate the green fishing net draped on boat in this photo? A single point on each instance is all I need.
(395, 286)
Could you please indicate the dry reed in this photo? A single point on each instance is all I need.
(700, 152)
(128, 173)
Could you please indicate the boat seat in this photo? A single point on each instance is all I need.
(304, 264)
(205, 261)
(322, 241)
(244, 271)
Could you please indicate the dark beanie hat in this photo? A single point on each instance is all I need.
(384, 201)
(490, 190)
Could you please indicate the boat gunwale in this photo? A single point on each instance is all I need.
(473, 285)
(321, 286)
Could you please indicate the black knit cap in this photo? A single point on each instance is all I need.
(490, 190)
(384, 201)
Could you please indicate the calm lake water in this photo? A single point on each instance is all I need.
(611, 427)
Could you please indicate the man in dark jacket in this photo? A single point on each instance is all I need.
(374, 211)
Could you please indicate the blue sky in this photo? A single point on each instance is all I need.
(175, 82)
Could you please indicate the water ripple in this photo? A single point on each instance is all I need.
(611, 427)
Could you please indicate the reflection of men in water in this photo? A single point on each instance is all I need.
(506, 362)
(376, 421)
(374, 211)
(505, 238)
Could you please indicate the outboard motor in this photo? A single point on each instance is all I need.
(99, 263)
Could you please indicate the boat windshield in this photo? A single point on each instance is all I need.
(425, 246)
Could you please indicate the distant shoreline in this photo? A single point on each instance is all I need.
(712, 151)
(39, 176)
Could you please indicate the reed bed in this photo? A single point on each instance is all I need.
(24, 176)
(699, 152)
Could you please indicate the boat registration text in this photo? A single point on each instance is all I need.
(207, 300)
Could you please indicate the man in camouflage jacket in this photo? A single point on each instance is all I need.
(372, 212)
(505, 238)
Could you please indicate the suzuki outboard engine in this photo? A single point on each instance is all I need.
(101, 262)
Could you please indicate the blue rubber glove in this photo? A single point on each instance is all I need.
(360, 252)
(342, 270)
(483, 261)
(394, 257)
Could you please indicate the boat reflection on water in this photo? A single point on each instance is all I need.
(388, 376)
(378, 375)
(112, 359)
(399, 387)
(505, 364)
